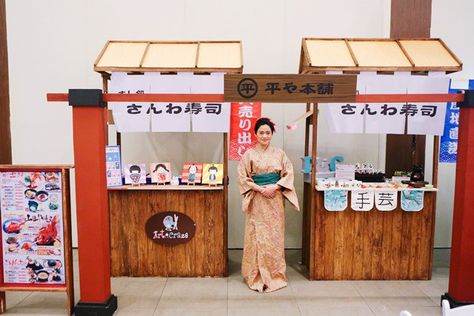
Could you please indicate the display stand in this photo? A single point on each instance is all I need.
(372, 245)
(206, 253)
(41, 257)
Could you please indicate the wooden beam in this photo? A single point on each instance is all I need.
(360, 98)
(5, 135)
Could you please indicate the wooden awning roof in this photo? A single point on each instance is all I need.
(142, 56)
(319, 55)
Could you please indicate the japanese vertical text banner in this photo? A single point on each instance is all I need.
(389, 118)
(242, 137)
(449, 141)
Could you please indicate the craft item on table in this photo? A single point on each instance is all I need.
(213, 173)
(417, 174)
(412, 200)
(367, 173)
(362, 199)
(386, 200)
(135, 174)
(335, 200)
(322, 164)
(334, 161)
(416, 178)
(332, 183)
(346, 172)
(174, 180)
(160, 172)
(192, 173)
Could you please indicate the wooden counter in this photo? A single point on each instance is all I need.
(374, 245)
(134, 254)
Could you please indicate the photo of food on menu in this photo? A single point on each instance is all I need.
(32, 227)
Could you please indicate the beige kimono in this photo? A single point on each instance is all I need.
(263, 262)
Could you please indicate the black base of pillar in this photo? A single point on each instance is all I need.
(97, 309)
(452, 302)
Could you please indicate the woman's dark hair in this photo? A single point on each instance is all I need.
(264, 121)
(162, 166)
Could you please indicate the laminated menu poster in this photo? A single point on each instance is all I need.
(113, 167)
(32, 227)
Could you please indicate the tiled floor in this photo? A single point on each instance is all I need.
(230, 296)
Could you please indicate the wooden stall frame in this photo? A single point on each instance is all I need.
(202, 98)
(309, 216)
(68, 287)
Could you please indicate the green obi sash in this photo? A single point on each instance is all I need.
(266, 178)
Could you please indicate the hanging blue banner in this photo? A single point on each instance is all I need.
(449, 141)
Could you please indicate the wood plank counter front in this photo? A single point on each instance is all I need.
(134, 254)
(373, 245)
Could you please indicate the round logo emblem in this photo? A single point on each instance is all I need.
(170, 228)
(247, 88)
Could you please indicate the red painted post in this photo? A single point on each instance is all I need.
(89, 130)
(461, 274)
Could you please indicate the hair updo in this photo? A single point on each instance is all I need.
(264, 121)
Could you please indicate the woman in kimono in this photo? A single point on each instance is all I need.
(265, 180)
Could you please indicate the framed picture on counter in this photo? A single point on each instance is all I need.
(213, 173)
(160, 172)
(192, 173)
(135, 173)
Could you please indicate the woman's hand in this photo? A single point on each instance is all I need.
(269, 190)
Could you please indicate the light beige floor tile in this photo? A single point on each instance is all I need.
(189, 311)
(433, 289)
(330, 302)
(414, 310)
(338, 289)
(147, 286)
(196, 294)
(382, 303)
(338, 310)
(387, 289)
(270, 307)
(40, 303)
(138, 301)
(13, 298)
(134, 312)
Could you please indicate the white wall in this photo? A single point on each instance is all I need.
(52, 45)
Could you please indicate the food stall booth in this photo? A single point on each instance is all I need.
(370, 243)
(202, 208)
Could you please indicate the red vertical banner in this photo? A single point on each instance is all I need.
(242, 122)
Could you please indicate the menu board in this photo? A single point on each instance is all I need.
(32, 236)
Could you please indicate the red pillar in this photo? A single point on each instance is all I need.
(89, 130)
(461, 275)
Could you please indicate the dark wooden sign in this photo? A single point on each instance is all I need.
(290, 88)
(170, 228)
